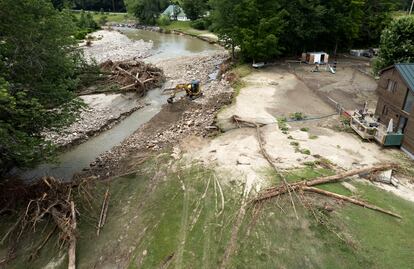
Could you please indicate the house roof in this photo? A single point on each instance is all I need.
(407, 73)
(170, 10)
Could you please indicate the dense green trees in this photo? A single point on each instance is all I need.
(263, 29)
(194, 9)
(397, 43)
(39, 68)
(98, 5)
(147, 11)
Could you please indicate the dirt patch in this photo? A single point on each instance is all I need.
(272, 93)
(349, 86)
(275, 92)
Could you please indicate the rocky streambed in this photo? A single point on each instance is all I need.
(102, 112)
(153, 123)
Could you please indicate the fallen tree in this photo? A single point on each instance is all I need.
(307, 185)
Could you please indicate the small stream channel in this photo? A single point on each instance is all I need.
(75, 159)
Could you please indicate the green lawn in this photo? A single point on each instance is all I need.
(170, 215)
(185, 27)
(111, 16)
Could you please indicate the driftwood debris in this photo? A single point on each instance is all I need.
(47, 199)
(104, 210)
(308, 184)
(134, 75)
(72, 239)
(350, 200)
(275, 191)
(267, 157)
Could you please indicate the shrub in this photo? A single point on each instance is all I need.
(163, 20)
(199, 24)
(304, 129)
(103, 20)
(298, 116)
(305, 151)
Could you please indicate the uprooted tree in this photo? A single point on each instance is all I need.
(309, 185)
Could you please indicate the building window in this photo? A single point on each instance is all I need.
(392, 86)
(409, 101)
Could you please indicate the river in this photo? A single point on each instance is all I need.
(73, 160)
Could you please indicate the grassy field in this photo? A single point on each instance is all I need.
(111, 16)
(177, 215)
(185, 27)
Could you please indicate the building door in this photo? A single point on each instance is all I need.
(402, 124)
(323, 58)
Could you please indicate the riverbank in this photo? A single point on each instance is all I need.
(193, 60)
(175, 122)
(113, 45)
(101, 113)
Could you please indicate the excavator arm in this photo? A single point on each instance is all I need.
(192, 90)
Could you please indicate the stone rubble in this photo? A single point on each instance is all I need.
(113, 45)
(102, 112)
(195, 118)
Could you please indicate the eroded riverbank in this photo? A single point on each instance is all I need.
(112, 111)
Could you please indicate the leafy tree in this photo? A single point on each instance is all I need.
(97, 5)
(225, 22)
(39, 66)
(147, 11)
(194, 9)
(86, 21)
(254, 26)
(376, 17)
(397, 43)
(305, 25)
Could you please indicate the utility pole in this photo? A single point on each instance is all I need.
(411, 9)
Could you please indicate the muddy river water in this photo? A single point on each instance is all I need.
(165, 46)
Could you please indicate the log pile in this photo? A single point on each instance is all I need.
(133, 75)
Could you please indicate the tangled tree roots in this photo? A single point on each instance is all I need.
(45, 200)
(134, 75)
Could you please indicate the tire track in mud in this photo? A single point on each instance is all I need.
(183, 228)
(232, 245)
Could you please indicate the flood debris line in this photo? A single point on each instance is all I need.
(47, 200)
(134, 75)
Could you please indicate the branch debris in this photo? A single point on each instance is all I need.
(134, 75)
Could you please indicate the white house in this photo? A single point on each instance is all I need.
(175, 12)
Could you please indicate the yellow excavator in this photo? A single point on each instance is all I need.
(192, 90)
